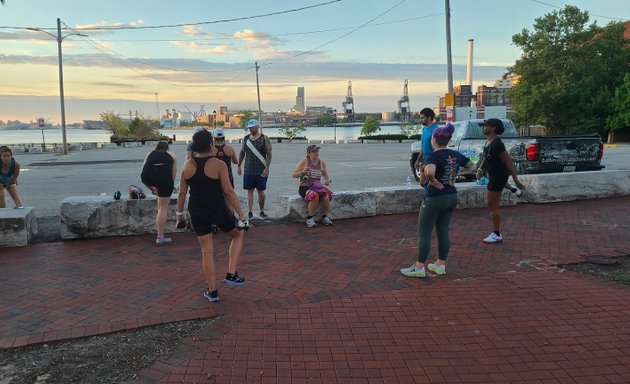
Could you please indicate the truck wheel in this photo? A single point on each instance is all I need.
(412, 162)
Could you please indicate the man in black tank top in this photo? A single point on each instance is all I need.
(225, 152)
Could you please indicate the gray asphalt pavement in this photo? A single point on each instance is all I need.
(47, 179)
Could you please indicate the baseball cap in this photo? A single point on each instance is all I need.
(312, 148)
(252, 123)
(218, 133)
(198, 128)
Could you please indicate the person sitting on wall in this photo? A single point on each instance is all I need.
(310, 172)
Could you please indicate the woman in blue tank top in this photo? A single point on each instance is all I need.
(210, 192)
(9, 172)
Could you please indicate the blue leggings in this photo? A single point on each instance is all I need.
(436, 211)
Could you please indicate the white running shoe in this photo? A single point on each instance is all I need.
(437, 269)
(493, 238)
(310, 222)
(163, 241)
(413, 271)
(326, 220)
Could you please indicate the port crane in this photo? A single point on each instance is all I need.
(404, 110)
(195, 114)
(348, 104)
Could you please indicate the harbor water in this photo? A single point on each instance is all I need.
(74, 135)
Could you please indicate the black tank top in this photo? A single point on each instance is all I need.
(226, 159)
(205, 192)
(159, 164)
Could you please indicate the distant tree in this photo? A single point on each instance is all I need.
(370, 126)
(291, 132)
(326, 120)
(409, 129)
(142, 129)
(568, 72)
(620, 117)
(245, 116)
(113, 123)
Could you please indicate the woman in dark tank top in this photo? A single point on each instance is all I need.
(158, 174)
(210, 193)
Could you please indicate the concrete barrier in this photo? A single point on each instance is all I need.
(382, 201)
(556, 187)
(17, 226)
(96, 216)
(102, 216)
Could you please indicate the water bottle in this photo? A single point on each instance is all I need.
(408, 182)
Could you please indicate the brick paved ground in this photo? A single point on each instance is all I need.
(329, 305)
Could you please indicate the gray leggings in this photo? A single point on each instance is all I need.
(436, 211)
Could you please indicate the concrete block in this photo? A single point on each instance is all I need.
(102, 216)
(17, 226)
(344, 205)
(555, 187)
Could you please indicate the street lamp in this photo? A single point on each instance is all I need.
(335, 124)
(59, 39)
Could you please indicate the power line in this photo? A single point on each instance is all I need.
(250, 67)
(592, 14)
(125, 27)
(280, 34)
(99, 48)
(335, 39)
(110, 28)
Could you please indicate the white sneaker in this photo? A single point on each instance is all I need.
(326, 220)
(310, 222)
(437, 269)
(413, 271)
(493, 238)
(163, 240)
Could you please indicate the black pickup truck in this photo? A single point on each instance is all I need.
(530, 154)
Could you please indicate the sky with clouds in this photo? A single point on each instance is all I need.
(193, 52)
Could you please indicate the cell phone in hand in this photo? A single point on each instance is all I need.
(181, 224)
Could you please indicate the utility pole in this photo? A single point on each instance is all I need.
(63, 105)
(449, 61)
(258, 92)
(59, 39)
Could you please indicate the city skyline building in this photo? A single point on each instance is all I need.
(300, 103)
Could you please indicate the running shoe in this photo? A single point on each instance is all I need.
(310, 222)
(263, 216)
(437, 269)
(326, 221)
(414, 271)
(212, 296)
(163, 241)
(493, 238)
(234, 280)
(250, 216)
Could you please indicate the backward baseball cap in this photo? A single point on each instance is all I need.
(252, 123)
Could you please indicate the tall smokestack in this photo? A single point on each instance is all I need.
(469, 63)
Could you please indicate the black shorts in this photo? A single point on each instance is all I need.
(497, 180)
(202, 221)
(164, 185)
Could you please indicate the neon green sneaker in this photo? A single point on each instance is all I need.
(437, 269)
(413, 271)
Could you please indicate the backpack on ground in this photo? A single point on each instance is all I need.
(136, 193)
